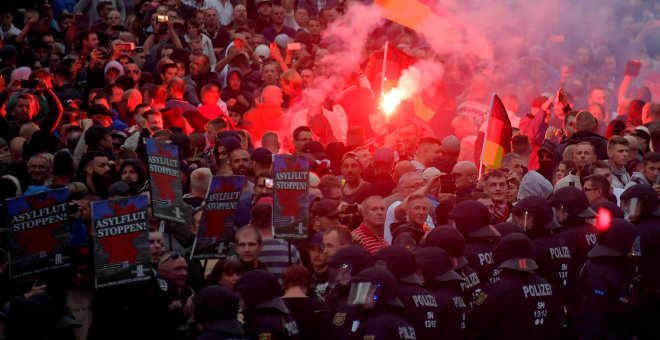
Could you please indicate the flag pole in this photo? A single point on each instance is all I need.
(383, 77)
(483, 145)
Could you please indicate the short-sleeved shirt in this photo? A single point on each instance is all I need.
(367, 239)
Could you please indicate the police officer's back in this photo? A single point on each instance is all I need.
(453, 242)
(444, 283)
(374, 291)
(521, 304)
(215, 311)
(343, 265)
(641, 205)
(535, 216)
(421, 306)
(473, 220)
(572, 209)
(266, 316)
(604, 308)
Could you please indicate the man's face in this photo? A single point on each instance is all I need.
(301, 16)
(100, 166)
(174, 271)
(545, 157)
(117, 92)
(129, 174)
(91, 42)
(277, 15)
(303, 137)
(418, 211)
(584, 155)
(411, 184)
(517, 166)
(331, 243)
(134, 72)
(105, 11)
(264, 12)
(351, 170)
(591, 191)
(65, 24)
(377, 123)
(569, 126)
(269, 74)
(618, 155)
(196, 65)
(307, 77)
(155, 245)
(651, 171)
(428, 153)
(169, 73)
(240, 162)
(374, 213)
(23, 110)
(240, 13)
(114, 18)
(314, 27)
(603, 172)
(210, 18)
(260, 188)
(38, 169)
(234, 82)
(496, 188)
(597, 96)
(247, 247)
(155, 121)
(6, 19)
(463, 178)
(317, 257)
(409, 136)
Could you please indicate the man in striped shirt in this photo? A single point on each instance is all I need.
(370, 233)
(276, 255)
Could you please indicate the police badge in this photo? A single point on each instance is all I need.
(339, 319)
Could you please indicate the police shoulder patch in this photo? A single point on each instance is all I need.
(339, 319)
(369, 337)
(480, 300)
(264, 336)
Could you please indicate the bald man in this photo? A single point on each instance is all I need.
(465, 173)
(267, 115)
(16, 150)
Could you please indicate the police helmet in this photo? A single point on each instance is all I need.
(436, 265)
(571, 201)
(260, 289)
(615, 241)
(473, 219)
(375, 284)
(515, 251)
(400, 262)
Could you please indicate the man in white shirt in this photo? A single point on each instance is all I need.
(7, 28)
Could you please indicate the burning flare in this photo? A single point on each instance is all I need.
(391, 100)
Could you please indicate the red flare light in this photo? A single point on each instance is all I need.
(604, 219)
(391, 100)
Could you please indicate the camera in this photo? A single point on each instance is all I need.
(163, 18)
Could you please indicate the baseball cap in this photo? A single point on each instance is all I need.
(114, 65)
(431, 173)
(316, 241)
(262, 156)
(350, 155)
(262, 51)
(384, 155)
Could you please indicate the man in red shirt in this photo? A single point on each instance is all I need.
(370, 233)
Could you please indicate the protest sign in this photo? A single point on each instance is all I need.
(121, 241)
(165, 181)
(39, 232)
(218, 216)
(290, 197)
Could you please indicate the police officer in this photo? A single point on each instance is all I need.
(521, 304)
(215, 311)
(603, 308)
(374, 291)
(453, 242)
(342, 266)
(421, 306)
(640, 202)
(535, 216)
(473, 220)
(572, 210)
(444, 283)
(266, 316)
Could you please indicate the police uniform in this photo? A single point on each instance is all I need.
(554, 257)
(384, 319)
(342, 317)
(453, 242)
(421, 306)
(579, 236)
(266, 316)
(521, 304)
(473, 220)
(604, 308)
(648, 281)
(443, 283)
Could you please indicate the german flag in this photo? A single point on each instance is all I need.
(497, 139)
(410, 13)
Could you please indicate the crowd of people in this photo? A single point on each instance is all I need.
(408, 237)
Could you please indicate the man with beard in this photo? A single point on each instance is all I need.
(239, 160)
(97, 173)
